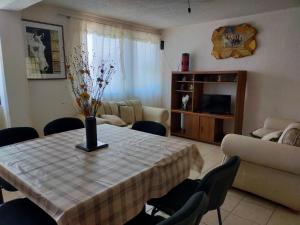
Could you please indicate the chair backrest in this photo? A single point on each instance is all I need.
(14, 135)
(191, 213)
(62, 125)
(218, 181)
(150, 127)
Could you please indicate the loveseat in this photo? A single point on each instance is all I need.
(125, 113)
(268, 169)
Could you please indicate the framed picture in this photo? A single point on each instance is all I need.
(44, 49)
(234, 41)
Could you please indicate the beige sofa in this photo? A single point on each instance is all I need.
(129, 112)
(268, 169)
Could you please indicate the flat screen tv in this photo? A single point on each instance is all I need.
(216, 104)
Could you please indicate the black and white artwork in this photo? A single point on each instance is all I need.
(44, 47)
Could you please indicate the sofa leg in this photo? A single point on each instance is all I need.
(219, 216)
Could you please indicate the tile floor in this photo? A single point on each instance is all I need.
(239, 208)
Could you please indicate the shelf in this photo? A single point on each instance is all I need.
(215, 82)
(184, 91)
(187, 81)
(217, 116)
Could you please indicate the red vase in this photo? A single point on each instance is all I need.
(185, 62)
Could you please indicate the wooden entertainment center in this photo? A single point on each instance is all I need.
(192, 122)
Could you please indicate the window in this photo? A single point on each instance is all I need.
(137, 62)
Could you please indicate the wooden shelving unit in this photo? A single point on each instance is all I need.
(198, 125)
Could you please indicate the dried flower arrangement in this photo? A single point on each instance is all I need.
(88, 81)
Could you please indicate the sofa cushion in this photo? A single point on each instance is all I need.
(259, 133)
(138, 109)
(114, 120)
(127, 114)
(100, 111)
(107, 108)
(292, 137)
(274, 136)
(292, 125)
(114, 108)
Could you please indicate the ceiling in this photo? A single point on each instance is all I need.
(17, 4)
(170, 13)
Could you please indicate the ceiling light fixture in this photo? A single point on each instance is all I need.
(189, 8)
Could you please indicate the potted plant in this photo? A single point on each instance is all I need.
(88, 83)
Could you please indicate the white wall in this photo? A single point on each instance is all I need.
(14, 69)
(273, 87)
(50, 99)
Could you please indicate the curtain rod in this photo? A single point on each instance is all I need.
(111, 22)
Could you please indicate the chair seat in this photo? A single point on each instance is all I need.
(23, 212)
(145, 219)
(177, 197)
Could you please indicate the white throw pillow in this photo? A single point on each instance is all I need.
(114, 120)
(291, 126)
(274, 136)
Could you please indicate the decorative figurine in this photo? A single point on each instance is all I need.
(185, 100)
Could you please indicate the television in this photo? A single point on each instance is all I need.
(216, 104)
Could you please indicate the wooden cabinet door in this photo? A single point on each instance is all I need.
(207, 129)
(191, 124)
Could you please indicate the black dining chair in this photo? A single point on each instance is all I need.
(189, 214)
(150, 127)
(23, 212)
(10, 136)
(62, 125)
(215, 184)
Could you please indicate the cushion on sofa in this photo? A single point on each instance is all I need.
(114, 108)
(292, 137)
(101, 110)
(127, 114)
(291, 126)
(114, 120)
(107, 108)
(259, 133)
(274, 136)
(138, 109)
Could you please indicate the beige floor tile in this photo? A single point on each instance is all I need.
(211, 218)
(236, 193)
(231, 202)
(260, 201)
(253, 212)
(284, 216)
(235, 220)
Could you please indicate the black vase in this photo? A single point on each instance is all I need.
(91, 143)
(91, 132)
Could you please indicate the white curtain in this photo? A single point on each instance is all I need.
(136, 56)
(4, 110)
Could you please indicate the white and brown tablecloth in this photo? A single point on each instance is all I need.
(104, 187)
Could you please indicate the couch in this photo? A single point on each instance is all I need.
(268, 169)
(125, 113)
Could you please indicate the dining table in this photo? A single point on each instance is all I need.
(105, 187)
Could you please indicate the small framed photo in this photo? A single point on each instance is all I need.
(44, 49)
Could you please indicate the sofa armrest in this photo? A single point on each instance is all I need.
(160, 115)
(265, 153)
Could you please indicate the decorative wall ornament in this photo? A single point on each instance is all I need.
(44, 48)
(234, 41)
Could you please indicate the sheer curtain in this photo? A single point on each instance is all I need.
(136, 56)
(4, 111)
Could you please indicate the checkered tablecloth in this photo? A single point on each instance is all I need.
(105, 187)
